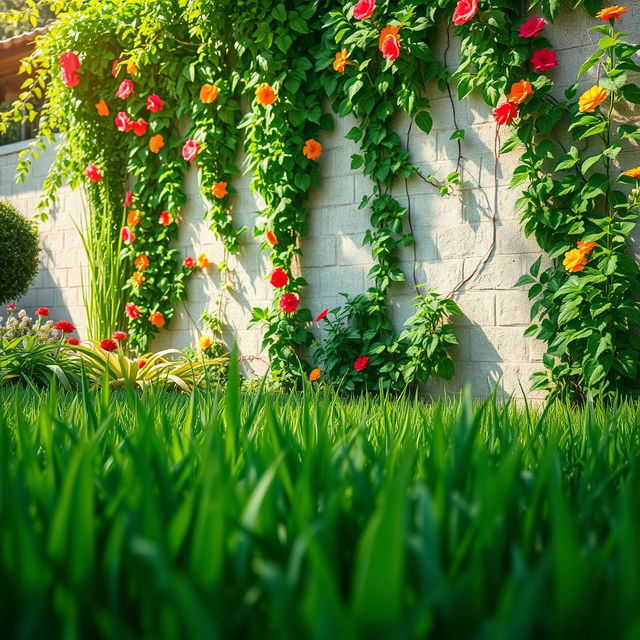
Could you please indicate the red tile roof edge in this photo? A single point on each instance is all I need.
(22, 38)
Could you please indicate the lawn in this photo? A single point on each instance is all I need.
(257, 516)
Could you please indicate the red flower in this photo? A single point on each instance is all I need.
(544, 59)
(361, 363)
(389, 42)
(532, 27)
(119, 335)
(127, 235)
(505, 113)
(189, 263)
(364, 9)
(128, 199)
(322, 315)
(289, 303)
(93, 173)
(69, 64)
(123, 121)
(190, 149)
(43, 312)
(132, 310)
(272, 239)
(139, 127)
(155, 103)
(279, 278)
(74, 342)
(108, 345)
(464, 11)
(115, 67)
(142, 364)
(165, 219)
(125, 89)
(64, 326)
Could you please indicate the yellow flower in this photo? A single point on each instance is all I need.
(590, 100)
(203, 261)
(633, 173)
(204, 343)
(137, 278)
(574, 260)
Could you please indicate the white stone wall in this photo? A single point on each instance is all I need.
(452, 235)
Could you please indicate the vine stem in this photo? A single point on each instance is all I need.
(494, 222)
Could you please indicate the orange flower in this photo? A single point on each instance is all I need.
(208, 93)
(133, 218)
(314, 375)
(203, 261)
(312, 149)
(590, 100)
(272, 239)
(141, 262)
(103, 109)
(204, 343)
(137, 278)
(157, 319)
(586, 247)
(574, 260)
(219, 190)
(389, 30)
(633, 173)
(156, 143)
(520, 91)
(132, 69)
(265, 95)
(611, 13)
(341, 61)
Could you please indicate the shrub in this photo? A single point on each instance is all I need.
(19, 251)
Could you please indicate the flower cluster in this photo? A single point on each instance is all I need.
(20, 325)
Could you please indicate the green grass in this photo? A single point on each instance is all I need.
(302, 517)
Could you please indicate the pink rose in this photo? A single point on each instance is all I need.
(128, 199)
(532, 27)
(123, 121)
(93, 173)
(127, 235)
(464, 11)
(125, 89)
(190, 149)
(364, 9)
(390, 48)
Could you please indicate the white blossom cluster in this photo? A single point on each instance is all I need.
(19, 325)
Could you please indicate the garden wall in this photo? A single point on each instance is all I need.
(452, 236)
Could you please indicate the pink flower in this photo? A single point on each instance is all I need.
(43, 312)
(364, 9)
(505, 113)
(544, 59)
(279, 278)
(127, 235)
(155, 103)
(132, 310)
(69, 64)
(11, 306)
(361, 363)
(128, 199)
(139, 127)
(189, 263)
(322, 315)
(390, 48)
(64, 326)
(93, 173)
(108, 345)
(123, 121)
(119, 335)
(532, 27)
(464, 11)
(289, 303)
(125, 89)
(190, 149)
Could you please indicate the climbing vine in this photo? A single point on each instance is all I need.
(206, 80)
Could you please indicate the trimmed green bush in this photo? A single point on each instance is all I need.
(19, 252)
